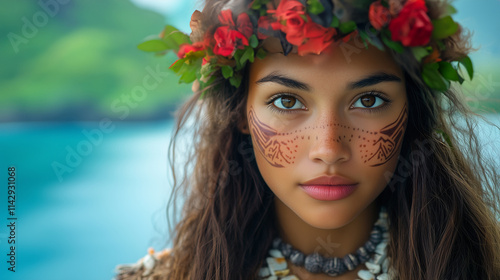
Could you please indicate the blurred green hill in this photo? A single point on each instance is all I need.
(77, 60)
(64, 60)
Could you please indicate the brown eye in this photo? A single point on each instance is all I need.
(288, 102)
(368, 100)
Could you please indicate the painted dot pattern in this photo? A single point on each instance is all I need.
(375, 147)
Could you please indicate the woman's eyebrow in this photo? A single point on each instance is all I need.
(278, 78)
(373, 80)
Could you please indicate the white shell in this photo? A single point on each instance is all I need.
(366, 275)
(264, 272)
(378, 259)
(372, 267)
(276, 265)
(275, 253)
(380, 249)
(383, 276)
(385, 264)
(149, 262)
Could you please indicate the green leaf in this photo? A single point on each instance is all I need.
(207, 70)
(256, 5)
(235, 81)
(188, 77)
(247, 55)
(261, 53)
(155, 45)
(254, 42)
(314, 7)
(420, 52)
(460, 79)
(397, 46)
(365, 38)
(335, 22)
(227, 71)
(444, 27)
(433, 78)
(189, 71)
(467, 63)
(450, 10)
(347, 27)
(372, 40)
(448, 71)
(237, 57)
(195, 56)
(173, 38)
(176, 66)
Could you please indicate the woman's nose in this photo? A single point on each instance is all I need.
(330, 144)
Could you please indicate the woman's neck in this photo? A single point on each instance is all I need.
(327, 242)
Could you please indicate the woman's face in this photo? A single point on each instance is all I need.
(326, 129)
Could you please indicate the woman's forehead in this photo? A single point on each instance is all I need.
(345, 59)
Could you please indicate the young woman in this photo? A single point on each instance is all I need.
(328, 145)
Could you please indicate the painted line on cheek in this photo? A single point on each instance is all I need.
(279, 152)
(389, 140)
(269, 147)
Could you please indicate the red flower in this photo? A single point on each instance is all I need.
(412, 27)
(186, 48)
(349, 36)
(288, 8)
(226, 17)
(227, 40)
(244, 25)
(317, 38)
(379, 15)
(295, 29)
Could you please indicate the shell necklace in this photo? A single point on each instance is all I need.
(373, 254)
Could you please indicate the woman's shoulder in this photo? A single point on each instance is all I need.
(153, 266)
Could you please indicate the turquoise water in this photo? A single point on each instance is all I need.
(108, 210)
(108, 207)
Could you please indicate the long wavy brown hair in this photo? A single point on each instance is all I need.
(442, 201)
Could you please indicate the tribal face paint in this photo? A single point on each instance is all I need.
(375, 147)
(319, 115)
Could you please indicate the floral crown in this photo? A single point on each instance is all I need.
(311, 26)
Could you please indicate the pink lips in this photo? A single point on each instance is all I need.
(329, 187)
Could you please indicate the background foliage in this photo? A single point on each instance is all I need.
(84, 57)
(79, 62)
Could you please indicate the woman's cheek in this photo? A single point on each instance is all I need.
(377, 148)
(371, 147)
